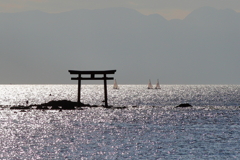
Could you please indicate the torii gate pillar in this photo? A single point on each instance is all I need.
(92, 77)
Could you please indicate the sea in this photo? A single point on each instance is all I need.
(151, 127)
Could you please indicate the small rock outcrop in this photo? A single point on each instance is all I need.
(184, 105)
(59, 105)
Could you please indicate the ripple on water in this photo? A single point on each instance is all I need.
(146, 133)
(206, 131)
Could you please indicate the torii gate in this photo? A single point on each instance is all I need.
(92, 77)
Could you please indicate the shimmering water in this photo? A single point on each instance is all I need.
(209, 130)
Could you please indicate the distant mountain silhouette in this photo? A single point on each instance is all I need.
(211, 14)
(207, 16)
(38, 47)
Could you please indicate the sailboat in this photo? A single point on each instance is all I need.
(157, 85)
(150, 85)
(115, 86)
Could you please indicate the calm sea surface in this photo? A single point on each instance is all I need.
(155, 129)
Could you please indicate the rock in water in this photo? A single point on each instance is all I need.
(184, 105)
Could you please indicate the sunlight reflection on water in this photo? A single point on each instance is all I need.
(207, 131)
(127, 95)
(146, 133)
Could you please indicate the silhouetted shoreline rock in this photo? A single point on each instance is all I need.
(61, 105)
(183, 105)
(54, 105)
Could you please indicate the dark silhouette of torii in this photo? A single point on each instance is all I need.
(92, 77)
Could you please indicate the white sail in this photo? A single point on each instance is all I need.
(115, 86)
(150, 85)
(157, 85)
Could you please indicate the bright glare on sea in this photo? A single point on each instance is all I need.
(155, 129)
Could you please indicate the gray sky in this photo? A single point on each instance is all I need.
(170, 9)
(42, 48)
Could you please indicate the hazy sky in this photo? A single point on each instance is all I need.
(169, 9)
(146, 47)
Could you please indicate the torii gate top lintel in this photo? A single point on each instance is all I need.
(92, 72)
(92, 77)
